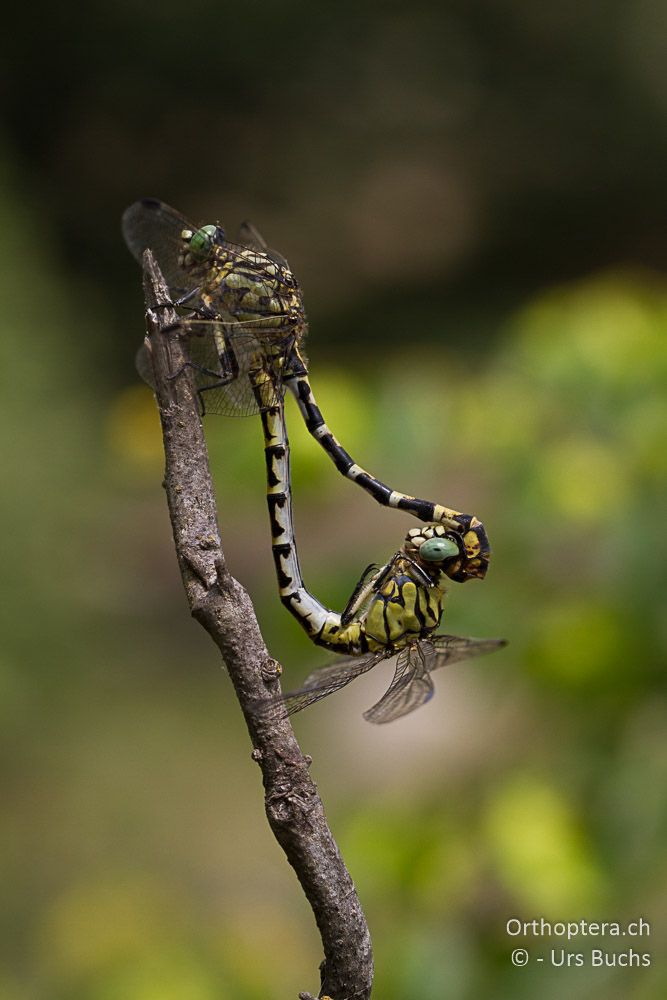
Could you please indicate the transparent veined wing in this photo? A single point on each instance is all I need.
(323, 682)
(411, 686)
(236, 373)
(150, 224)
(453, 648)
(249, 236)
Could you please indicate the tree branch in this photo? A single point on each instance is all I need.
(222, 606)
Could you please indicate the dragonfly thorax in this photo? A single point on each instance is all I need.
(401, 612)
(246, 286)
(404, 609)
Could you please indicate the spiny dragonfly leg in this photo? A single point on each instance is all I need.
(222, 376)
(181, 301)
(363, 588)
(200, 312)
(201, 370)
(184, 299)
(228, 372)
(220, 384)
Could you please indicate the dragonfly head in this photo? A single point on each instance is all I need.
(459, 554)
(198, 244)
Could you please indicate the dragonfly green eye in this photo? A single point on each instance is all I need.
(201, 241)
(437, 549)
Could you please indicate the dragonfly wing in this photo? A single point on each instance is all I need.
(411, 687)
(323, 682)
(452, 648)
(250, 237)
(150, 224)
(223, 356)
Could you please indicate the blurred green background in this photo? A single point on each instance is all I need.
(473, 198)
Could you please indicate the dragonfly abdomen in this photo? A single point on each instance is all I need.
(313, 616)
(302, 391)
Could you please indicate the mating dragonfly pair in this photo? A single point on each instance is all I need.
(244, 324)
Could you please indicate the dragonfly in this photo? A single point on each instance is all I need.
(394, 608)
(242, 311)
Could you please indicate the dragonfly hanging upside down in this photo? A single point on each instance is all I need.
(243, 312)
(394, 609)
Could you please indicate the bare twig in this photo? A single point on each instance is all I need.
(224, 609)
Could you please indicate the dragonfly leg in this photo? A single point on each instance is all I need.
(221, 365)
(363, 588)
(220, 384)
(200, 369)
(370, 582)
(184, 299)
(181, 301)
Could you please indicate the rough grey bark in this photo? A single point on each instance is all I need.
(222, 606)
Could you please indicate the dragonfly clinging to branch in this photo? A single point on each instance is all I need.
(242, 312)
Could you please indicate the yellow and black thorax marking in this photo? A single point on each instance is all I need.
(403, 609)
(247, 287)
